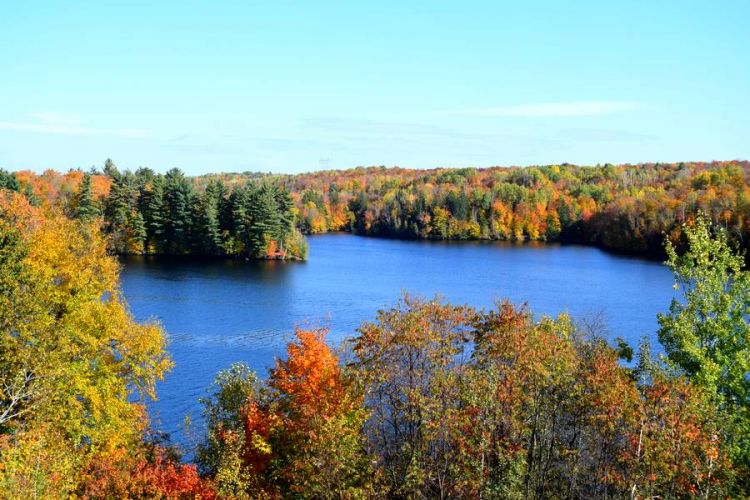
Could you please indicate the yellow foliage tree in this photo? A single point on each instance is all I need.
(72, 358)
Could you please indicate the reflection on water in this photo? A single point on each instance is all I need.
(221, 311)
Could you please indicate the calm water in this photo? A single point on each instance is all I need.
(219, 312)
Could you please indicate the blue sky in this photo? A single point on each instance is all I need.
(295, 86)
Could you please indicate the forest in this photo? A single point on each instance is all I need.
(625, 208)
(149, 213)
(429, 400)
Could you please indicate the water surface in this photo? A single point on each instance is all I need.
(221, 311)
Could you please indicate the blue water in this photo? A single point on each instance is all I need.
(219, 312)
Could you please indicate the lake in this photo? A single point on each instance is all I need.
(217, 312)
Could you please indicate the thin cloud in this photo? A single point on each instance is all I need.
(369, 127)
(558, 109)
(68, 129)
(57, 119)
(602, 135)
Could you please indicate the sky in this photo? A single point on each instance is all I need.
(283, 86)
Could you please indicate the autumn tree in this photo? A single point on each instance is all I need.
(298, 435)
(674, 447)
(493, 404)
(411, 363)
(318, 440)
(151, 471)
(72, 359)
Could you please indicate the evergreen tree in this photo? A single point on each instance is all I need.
(225, 208)
(267, 223)
(333, 194)
(144, 176)
(110, 169)
(123, 219)
(28, 192)
(136, 232)
(285, 207)
(86, 207)
(207, 234)
(178, 194)
(146, 212)
(152, 208)
(116, 214)
(239, 221)
(9, 181)
(358, 208)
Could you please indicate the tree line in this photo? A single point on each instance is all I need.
(430, 400)
(627, 208)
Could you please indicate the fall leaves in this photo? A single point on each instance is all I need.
(443, 401)
(625, 207)
(71, 356)
(464, 403)
(298, 433)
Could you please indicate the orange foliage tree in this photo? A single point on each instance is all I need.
(297, 434)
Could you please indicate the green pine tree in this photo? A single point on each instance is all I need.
(110, 169)
(267, 223)
(178, 194)
(116, 214)
(136, 232)
(152, 207)
(86, 207)
(239, 221)
(207, 233)
(9, 181)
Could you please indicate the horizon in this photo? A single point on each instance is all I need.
(288, 89)
(98, 169)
